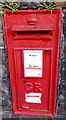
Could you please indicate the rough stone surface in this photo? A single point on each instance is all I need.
(5, 89)
(4, 71)
(0, 70)
(1, 40)
(1, 19)
(0, 56)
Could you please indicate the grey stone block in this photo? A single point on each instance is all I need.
(1, 21)
(0, 70)
(6, 114)
(3, 64)
(4, 70)
(5, 87)
(1, 40)
(0, 56)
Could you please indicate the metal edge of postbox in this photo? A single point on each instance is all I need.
(13, 83)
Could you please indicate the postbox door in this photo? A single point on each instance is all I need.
(33, 69)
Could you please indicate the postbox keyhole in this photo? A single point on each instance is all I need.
(25, 81)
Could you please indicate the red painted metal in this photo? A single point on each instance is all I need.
(33, 30)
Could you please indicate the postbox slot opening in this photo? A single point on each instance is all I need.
(35, 33)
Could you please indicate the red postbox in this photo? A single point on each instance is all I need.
(32, 38)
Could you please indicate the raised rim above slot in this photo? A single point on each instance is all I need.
(46, 27)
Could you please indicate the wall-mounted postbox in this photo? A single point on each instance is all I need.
(32, 38)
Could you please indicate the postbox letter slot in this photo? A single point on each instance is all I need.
(24, 32)
(33, 34)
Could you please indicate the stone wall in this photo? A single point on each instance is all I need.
(5, 89)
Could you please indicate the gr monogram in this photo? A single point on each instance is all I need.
(33, 87)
